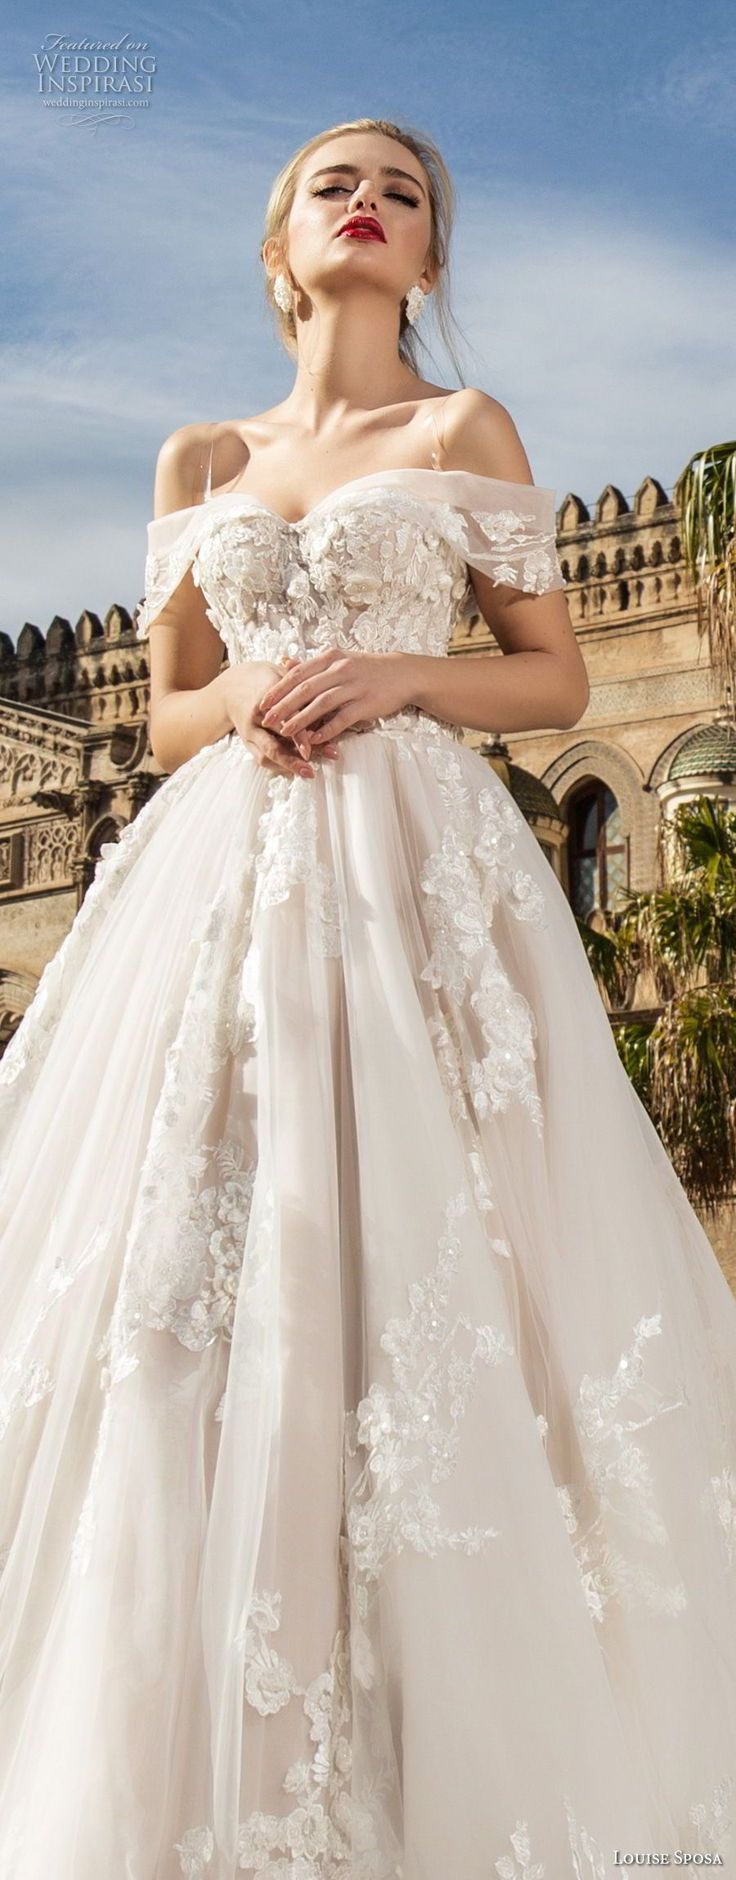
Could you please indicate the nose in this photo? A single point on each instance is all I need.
(362, 197)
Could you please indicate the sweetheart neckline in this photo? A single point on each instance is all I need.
(375, 478)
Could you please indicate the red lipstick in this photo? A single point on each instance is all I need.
(364, 228)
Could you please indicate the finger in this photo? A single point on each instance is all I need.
(323, 705)
(299, 668)
(294, 690)
(278, 755)
(323, 750)
(304, 743)
(286, 665)
(344, 720)
(273, 722)
(269, 696)
(297, 692)
(279, 708)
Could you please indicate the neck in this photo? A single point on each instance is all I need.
(348, 360)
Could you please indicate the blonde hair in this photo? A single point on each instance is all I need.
(442, 210)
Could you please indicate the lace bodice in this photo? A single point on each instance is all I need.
(381, 564)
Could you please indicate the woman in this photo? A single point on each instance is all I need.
(368, 1382)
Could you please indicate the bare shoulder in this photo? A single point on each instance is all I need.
(179, 479)
(186, 457)
(481, 437)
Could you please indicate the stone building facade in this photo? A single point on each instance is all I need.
(75, 764)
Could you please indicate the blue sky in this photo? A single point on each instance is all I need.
(593, 265)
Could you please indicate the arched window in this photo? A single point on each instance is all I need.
(107, 830)
(598, 850)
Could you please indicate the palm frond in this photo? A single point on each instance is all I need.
(682, 1063)
(693, 1089)
(705, 493)
(632, 1040)
(707, 834)
(611, 962)
(687, 929)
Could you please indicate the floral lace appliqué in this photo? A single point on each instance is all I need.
(329, 1832)
(269, 1678)
(409, 1431)
(618, 1494)
(27, 1380)
(586, 1862)
(516, 551)
(211, 1239)
(289, 855)
(464, 880)
(720, 1495)
(619, 1469)
(713, 1820)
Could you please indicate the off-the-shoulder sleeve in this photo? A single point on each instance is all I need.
(173, 541)
(516, 543)
(506, 531)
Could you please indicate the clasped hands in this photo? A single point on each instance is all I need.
(318, 698)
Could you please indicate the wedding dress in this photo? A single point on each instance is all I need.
(367, 1381)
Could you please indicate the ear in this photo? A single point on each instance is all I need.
(271, 255)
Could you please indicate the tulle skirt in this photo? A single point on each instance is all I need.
(367, 1381)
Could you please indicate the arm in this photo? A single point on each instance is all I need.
(544, 682)
(195, 699)
(188, 705)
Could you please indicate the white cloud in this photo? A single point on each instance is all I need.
(611, 343)
(693, 87)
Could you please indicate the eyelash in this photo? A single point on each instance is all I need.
(400, 197)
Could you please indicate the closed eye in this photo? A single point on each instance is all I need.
(398, 194)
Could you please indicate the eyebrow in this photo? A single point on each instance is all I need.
(351, 169)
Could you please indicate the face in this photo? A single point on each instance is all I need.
(349, 176)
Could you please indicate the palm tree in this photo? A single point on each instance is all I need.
(705, 493)
(681, 1055)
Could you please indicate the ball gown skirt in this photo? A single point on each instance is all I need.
(367, 1381)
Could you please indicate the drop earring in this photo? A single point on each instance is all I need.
(282, 293)
(414, 303)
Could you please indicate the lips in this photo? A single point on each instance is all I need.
(363, 228)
